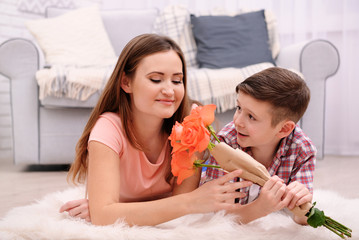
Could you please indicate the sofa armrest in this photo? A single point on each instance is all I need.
(19, 61)
(317, 60)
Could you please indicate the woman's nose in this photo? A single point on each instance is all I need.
(167, 90)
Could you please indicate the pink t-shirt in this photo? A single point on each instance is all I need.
(140, 179)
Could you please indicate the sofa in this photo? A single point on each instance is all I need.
(46, 127)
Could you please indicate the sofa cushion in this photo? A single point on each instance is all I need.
(77, 38)
(117, 21)
(225, 41)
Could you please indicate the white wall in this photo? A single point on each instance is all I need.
(298, 20)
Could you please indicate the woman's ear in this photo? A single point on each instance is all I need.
(126, 84)
(286, 129)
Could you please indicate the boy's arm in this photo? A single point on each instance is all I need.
(298, 194)
(305, 172)
(271, 199)
(300, 187)
(275, 195)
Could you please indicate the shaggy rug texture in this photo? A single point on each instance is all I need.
(42, 220)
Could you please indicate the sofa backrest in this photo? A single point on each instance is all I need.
(121, 25)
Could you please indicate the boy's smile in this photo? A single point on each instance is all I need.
(241, 135)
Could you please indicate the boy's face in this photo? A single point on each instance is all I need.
(252, 120)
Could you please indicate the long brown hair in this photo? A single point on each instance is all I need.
(114, 99)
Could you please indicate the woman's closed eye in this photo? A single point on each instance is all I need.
(177, 81)
(155, 80)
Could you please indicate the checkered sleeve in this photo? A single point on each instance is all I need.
(301, 155)
(305, 173)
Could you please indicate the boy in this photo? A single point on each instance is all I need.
(269, 104)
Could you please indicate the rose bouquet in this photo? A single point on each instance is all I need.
(193, 136)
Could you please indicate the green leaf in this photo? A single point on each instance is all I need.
(316, 218)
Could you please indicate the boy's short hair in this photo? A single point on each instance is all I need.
(285, 90)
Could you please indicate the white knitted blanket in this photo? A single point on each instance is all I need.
(72, 81)
(217, 86)
(42, 220)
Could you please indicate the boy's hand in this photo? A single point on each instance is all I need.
(298, 194)
(272, 195)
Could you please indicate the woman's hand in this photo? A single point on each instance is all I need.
(218, 194)
(77, 208)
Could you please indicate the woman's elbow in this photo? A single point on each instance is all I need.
(100, 216)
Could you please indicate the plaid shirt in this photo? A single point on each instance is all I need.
(294, 160)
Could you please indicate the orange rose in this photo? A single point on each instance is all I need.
(175, 138)
(195, 136)
(182, 165)
(206, 113)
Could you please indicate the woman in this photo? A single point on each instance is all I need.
(124, 151)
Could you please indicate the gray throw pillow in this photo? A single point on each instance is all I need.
(225, 41)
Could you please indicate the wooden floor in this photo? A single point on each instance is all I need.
(22, 185)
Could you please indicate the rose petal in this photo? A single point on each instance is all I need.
(207, 114)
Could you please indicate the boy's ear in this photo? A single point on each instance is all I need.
(126, 84)
(286, 129)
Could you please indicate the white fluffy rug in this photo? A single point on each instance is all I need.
(42, 221)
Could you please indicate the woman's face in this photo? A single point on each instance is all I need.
(157, 87)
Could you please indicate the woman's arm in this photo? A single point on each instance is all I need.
(189, 184)
(104, 191)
